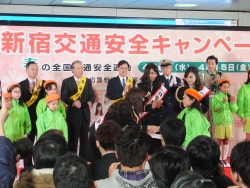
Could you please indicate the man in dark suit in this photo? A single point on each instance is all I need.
(106, 135)
(171, 82)
(78, 94)
(32, 92)
(119, 86)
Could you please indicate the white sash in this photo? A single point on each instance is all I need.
(159, 94)
(204, 92)
(99, 121)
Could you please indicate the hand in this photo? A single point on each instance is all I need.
(243, 120)
(25, 136)
(224, 99)
(232, 99)
(217, 78)
(155, 104)
(160, 102)
(77, 104)
(153, 129)
(90, 104)
(112, 168)
(4, 113)
(127, 88)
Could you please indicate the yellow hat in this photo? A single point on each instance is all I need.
(6, 95)
(48, 82)
(193, 93)
(223, 80)
(52, 97)
(165, 62)
(12, 85)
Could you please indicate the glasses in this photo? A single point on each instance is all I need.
(17, 91)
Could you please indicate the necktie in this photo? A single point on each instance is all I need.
(123, 83)
(31, 86)
(77, 83)
(167, 84)
(151, 87)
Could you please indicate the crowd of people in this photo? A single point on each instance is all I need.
(157, 130)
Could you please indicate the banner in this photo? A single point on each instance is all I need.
(55, 48)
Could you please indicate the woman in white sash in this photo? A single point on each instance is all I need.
(192, 80)
(150, 82)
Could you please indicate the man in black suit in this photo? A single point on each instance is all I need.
(78, 94)
(171, 82)
(32, 91)
(119, 86)
(106, 135)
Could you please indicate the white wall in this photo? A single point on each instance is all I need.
(243, 18)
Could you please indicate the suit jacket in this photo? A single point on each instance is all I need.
(115, 89)
(100, 168)
(69, 88)
(26, 95)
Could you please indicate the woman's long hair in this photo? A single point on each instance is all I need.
(228, 96)
(197, 83)
(145, 79)
(134, 98)
(96, 110)
(21, 98)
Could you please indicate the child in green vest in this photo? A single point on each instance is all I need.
(51, 118)
(223, 106)
(195, 122)
(50, 87)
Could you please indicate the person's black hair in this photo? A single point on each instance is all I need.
(195, 104)
(240, 161)
(197, 83)
(248, 78)
(145, 79)
(122, 62)
(107, 133)
(23, 147)
(72, 66)
(21, 98)
(228, 96)
(173, 131)
(213, 58)
(132, 147)
(47, 149)
(204, 154)
(49, 86)
(71, 171)
(30, 63)
(166, 163)
(96, 110)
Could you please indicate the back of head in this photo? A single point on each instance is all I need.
(23, 147)
(173, 131)
(132, 147)
(47, 149)
(71, 171)
(204, 154)
(107, 133)
(166, 163)
(240, 161)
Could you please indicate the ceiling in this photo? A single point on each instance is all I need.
(225, 5)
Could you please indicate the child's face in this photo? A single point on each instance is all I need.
(191, 78)
(187, 102)
(225, 87)
(99, 108)
(8, 103)
(53, 105)
(16, 93)
(211, 65)
(53, 90)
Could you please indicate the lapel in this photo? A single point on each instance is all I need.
(73, 85)
(118, 83)
(27, 85)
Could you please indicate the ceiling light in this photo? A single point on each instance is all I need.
(185, 5)
(73, 1)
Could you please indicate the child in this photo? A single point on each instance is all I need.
(195, 122)
(50, 87)
(20, 107)
(223, 105)
(243, 103)
(51, 118)
(13, 126)
(98, 111)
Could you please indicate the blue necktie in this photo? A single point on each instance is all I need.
(123, 83)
